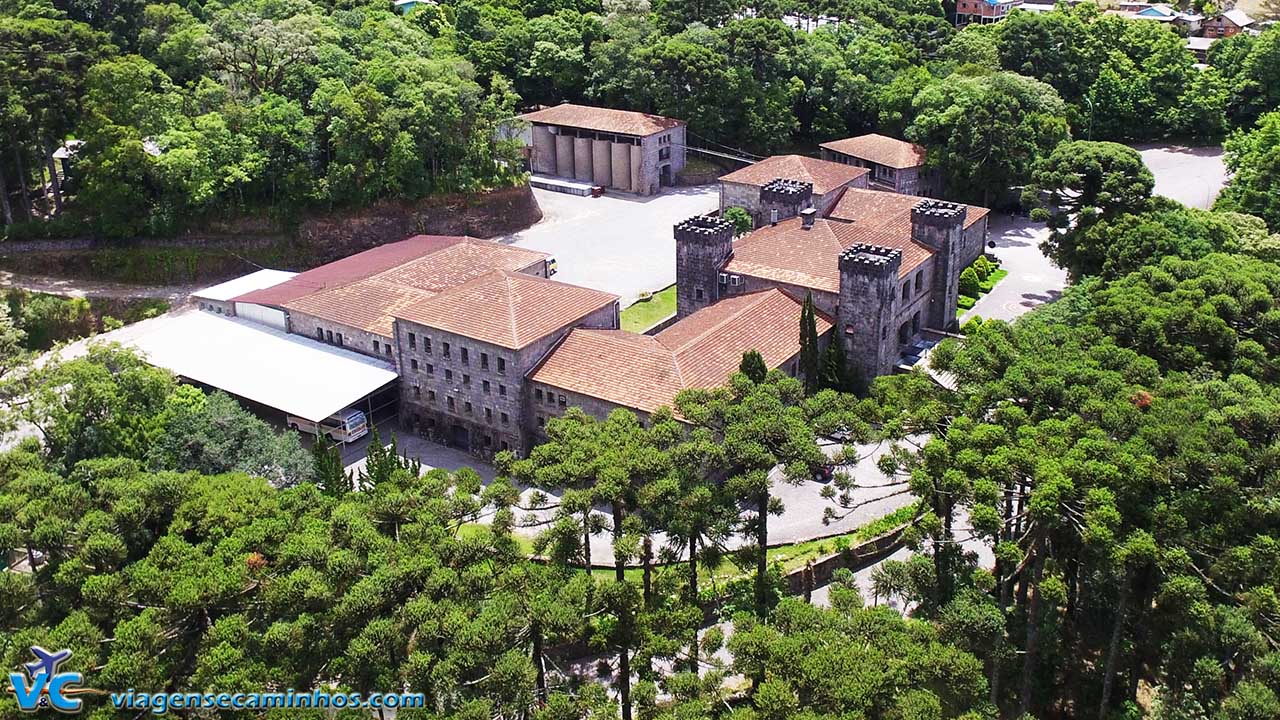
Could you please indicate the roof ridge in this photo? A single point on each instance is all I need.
(757, 298)
(511, 308)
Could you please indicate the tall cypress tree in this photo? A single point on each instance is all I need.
(810, 356)
(835, 370)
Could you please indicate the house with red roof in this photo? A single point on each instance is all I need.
(895, 165)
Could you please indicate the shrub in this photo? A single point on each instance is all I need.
(986, 286)
(971, 326)
(983, 267)
(969, 283)
(966, 302)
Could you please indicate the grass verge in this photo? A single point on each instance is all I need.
(650, 311)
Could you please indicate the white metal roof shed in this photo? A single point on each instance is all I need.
(259, 280)
(291, 373)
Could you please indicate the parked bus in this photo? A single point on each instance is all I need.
(342, 426)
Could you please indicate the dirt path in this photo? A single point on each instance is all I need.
(89, 288)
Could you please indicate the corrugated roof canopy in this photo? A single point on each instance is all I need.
(288, 372)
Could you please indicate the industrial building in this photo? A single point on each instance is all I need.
(615, 149)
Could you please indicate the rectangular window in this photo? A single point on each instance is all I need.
(488, 440)
(417, 391)
(485, 386)
(906, 291)
(413, 341)
(502, 365)
(387, 348)
(449, 401)
(488, 414)
(502, 390)
(697, 293)
(537, 395)
(464, 356)
(448, 375)
(319, 334)
(444, 351)
(468, 407)
(328, 335)
(505, 419)
(551, 399)
(466, 379)
(431, 395)
(561, 399)
(505, 446)
(413, 364)
(426, 345)
(377, 347)
(541, 421)
(339, 339)
(919, 281)
(484, 361)
(431, 369)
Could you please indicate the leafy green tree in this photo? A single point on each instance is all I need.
(753, 366)
(970, 285)
(1254, 160)
(741, 219)
(986, 133)
(327, 471)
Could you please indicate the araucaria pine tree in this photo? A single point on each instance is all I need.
(810, 355)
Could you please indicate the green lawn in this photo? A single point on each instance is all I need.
(649, 312)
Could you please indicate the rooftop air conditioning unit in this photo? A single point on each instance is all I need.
(735, 279)
(724, 278)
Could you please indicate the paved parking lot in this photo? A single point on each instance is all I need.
(618, 243)
(1033, 279)
(1191, 175)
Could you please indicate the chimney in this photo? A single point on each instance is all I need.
(773, 216)
(807, 216)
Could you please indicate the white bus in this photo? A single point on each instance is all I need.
(342, 426)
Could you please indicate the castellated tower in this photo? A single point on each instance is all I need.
(788, 197)
(868, 292)
(703, 245)
(940, 225)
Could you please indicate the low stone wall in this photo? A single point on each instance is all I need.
(854, 558)
(661, 325)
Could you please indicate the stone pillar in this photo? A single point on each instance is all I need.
(637, 156)
(621, 165)
(939, 225)
(865, 313)
(703, 244)
(544, 150)
(564, 156)
(582, 159)
(602, 163)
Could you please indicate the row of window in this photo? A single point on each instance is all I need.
(430, 369)
(468, 408)
(906, 286)
(551, 398)
(329, 336)
(488, 439)
(464, 354)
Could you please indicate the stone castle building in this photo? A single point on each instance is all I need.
(619, 149)
(884, 267)
(767, 189)
(895, 165)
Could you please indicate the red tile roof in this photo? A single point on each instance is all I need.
(700, 351)
(622, 122)
(349, 269)
(824, 174)
(788, 253)
(507, 309)
(887, 210)
(880, 149)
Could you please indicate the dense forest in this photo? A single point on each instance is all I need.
(1116, 452)
(205, 110)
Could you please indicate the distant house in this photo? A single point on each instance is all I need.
(1199, 46)
(983, 11)
(761, 189)
(1231, 22)
(404, 7)
(895, 165)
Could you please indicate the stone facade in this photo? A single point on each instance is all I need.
(703, 244)
(939, 225)
(469, 393)
(868, 295)
(639, 164)
(906, 181)
(756, 201)
(340, 335)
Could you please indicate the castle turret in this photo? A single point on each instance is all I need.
(940, 226)
(703, 245)
(868, 291)
(781, 199)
